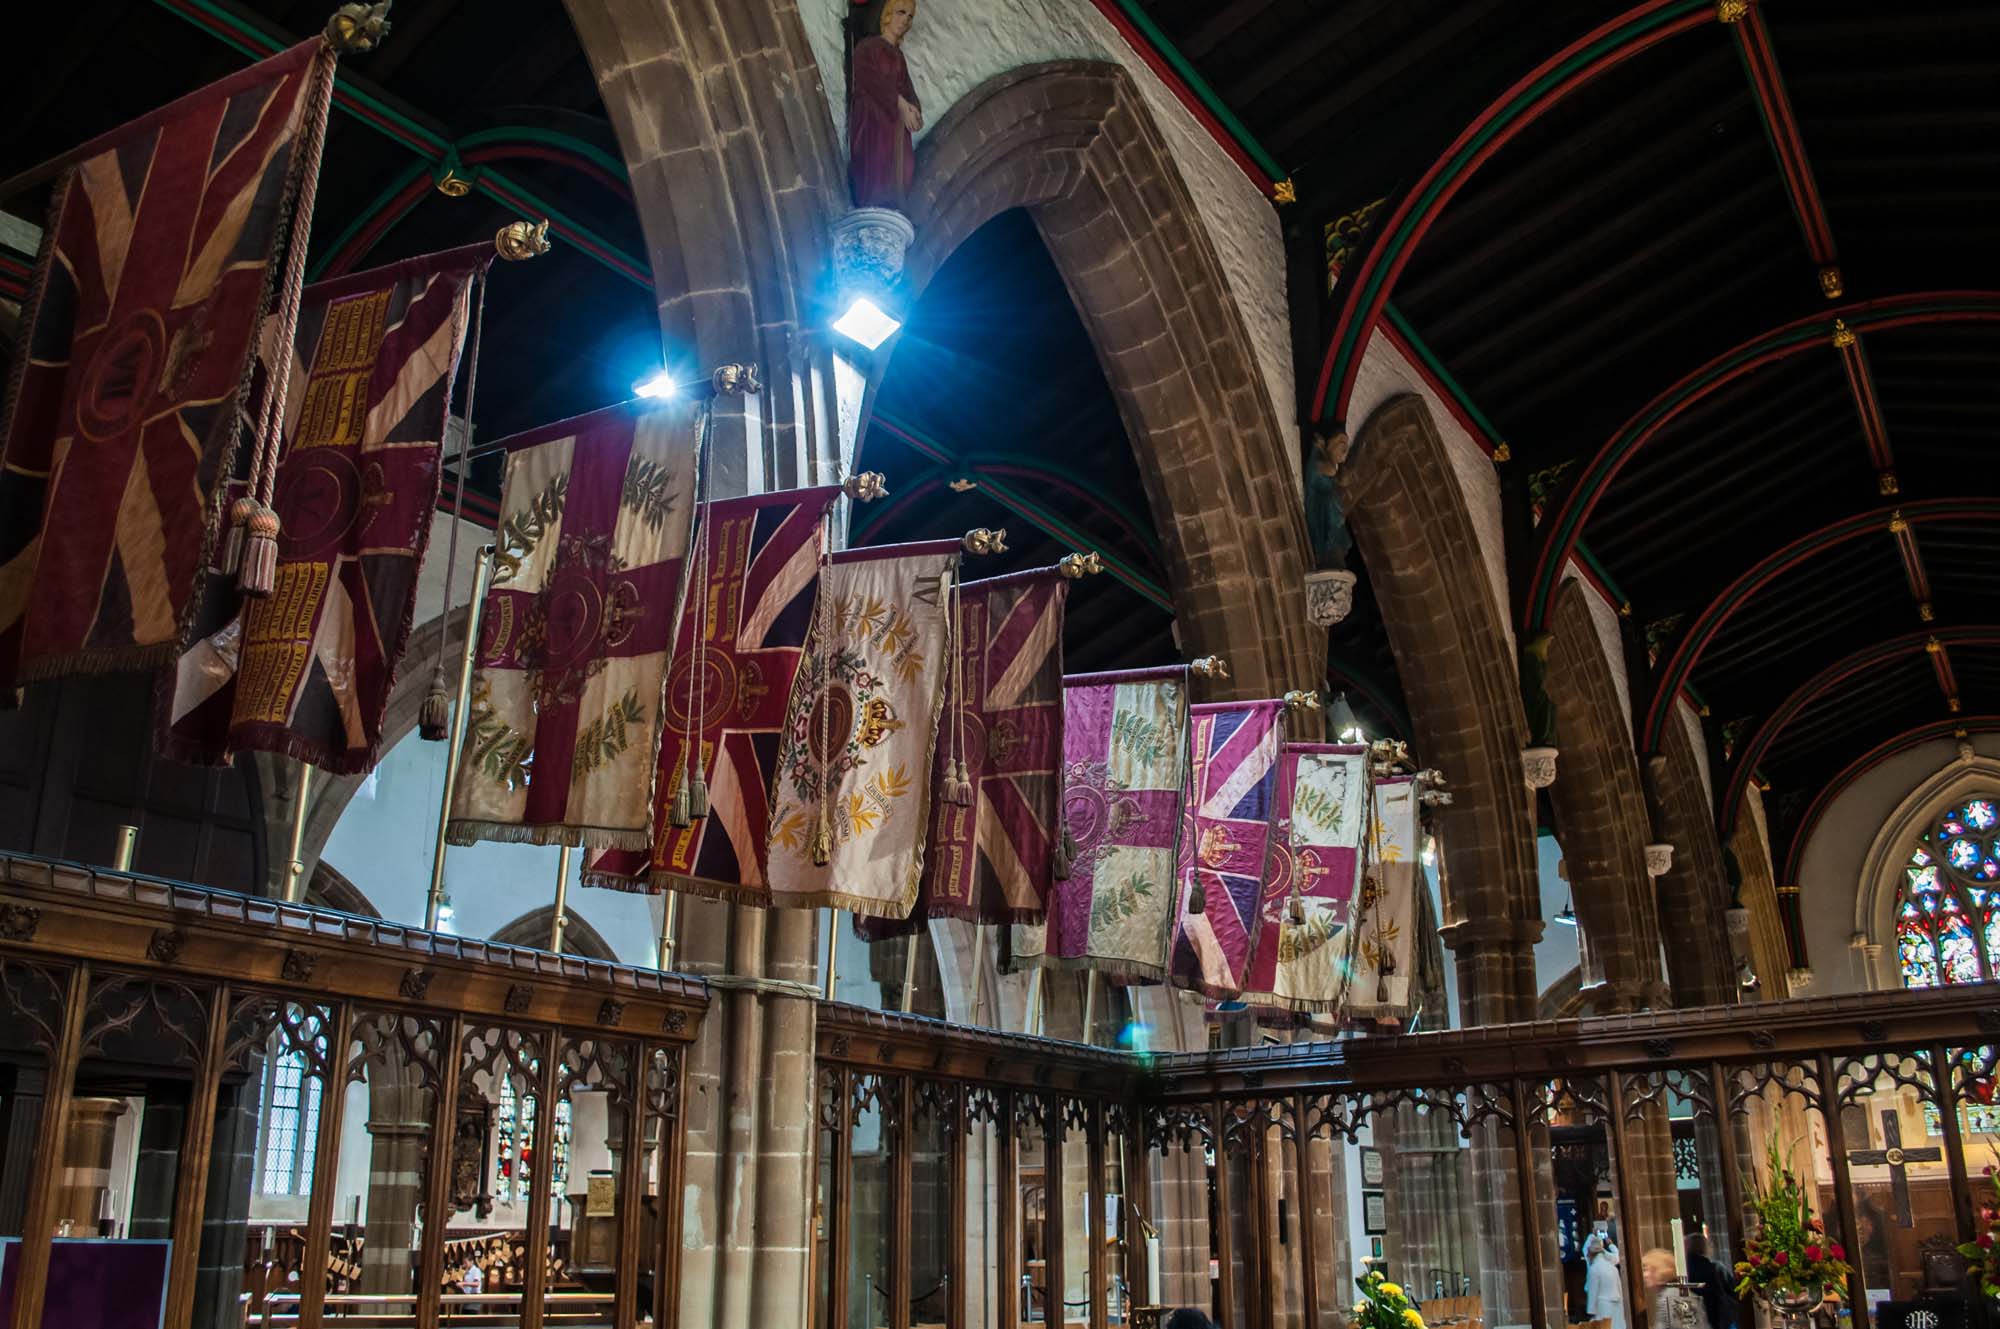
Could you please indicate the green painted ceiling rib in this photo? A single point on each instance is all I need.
(234, 30)
(1136, 15)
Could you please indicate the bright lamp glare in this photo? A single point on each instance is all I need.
(659, 385)
(864, 322)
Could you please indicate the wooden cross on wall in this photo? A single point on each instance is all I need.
(1896, 1156)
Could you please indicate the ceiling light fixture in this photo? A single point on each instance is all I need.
(1566, 915)
(659, 385)
(866, 323)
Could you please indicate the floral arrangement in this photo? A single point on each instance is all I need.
(1982, 1254)
(1791, 1254)
(1384, 1305)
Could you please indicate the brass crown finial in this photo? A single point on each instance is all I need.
(736, 380)
(1305, 698)
(865, 486)
(519, 241)
(981, 540)
(1074, 566)
(1843, 336)
(1731, 11)
(358, 27)
(1284, 191)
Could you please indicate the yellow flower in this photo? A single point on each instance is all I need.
(1360, 1308)
(1392, 1290)
(1414, 1320)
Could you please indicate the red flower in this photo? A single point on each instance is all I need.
(1986, 1241)
(1837, 1252)
(1987, 1170)
(1755, 1258)
(1782, 1258)
(1812, 1253)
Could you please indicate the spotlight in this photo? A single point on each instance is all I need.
(1566, 915)
(865, 323)
(659, 385)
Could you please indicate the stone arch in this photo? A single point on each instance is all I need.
(1072, 142)
(1601, 816)
(1694, 891)
(1449, 637)
(330, 887)
(579, 937)
(1565, 998)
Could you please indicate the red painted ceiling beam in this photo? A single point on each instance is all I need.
(1760, 62)
(1941, 666)
(1674, 676)
(1912, 557)
(1868, 405)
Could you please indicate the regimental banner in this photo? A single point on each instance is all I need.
(1125, 760)
(1382, 946)
(859, 733)
(750, 602)
(137, 336)
(989, 861)
(307, 671)
(1315, 859)
(575, 635)
(1233, 752)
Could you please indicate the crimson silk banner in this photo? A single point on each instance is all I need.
(574, 638)
(138, 331)
(989, 862)
(1315, 860)
(307, 671)
(1232, 779)
(756, 576)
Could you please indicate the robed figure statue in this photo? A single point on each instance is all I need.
(882, 112)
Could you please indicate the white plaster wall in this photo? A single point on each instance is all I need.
(382, 844)
(957, 45)
(1830, 868)
(1385, 374)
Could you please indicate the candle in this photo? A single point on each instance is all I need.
(1152, 1271)
(1680, 1252)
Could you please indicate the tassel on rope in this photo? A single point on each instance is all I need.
(240, 513)
(1065, 856)
(257, 573)
(1298, 911)
(434, 716)
(1197, 898)
(961, 793)
(680, 814)
(822, 842)
(697, 797)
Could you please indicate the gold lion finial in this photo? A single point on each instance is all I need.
(1731, 11)
(981, 540)
(736, 380)
(1209, 666)
(865, 486)
(1074, 566)
(519, 241)
(1302, 698)
(358, 27)
(1843, 336)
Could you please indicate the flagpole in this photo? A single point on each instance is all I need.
(480, 567)
(1032, 1024)
(826, 970)
(561, 919)
(669, 924)
(910, 970)
(1090, 1008)
(295, 871)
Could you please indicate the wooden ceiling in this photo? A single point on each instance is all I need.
(1584, 210)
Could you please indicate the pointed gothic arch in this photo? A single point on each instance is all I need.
(1449, 636)
(1600, 811)
(1073, 144)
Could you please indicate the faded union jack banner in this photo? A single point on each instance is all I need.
(989, 859)
(1232, 778)
(1315, 859)
(742, 631)
(308, 670)
(575, 634)
(137, 335)
(1125, 760)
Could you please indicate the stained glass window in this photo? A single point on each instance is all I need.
(1948, 919)
(514, 1147)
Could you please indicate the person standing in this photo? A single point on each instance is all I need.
(1603, 1284)
(1716, 1300)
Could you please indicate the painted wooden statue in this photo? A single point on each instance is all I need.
(882, 112)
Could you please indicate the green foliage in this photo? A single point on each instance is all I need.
(600, 741)
(1315, 805)
(1790, 1253)
(1142, 739)
(1383, 1305)
(521, 533)
(1118, 902)
(649, 491)
(500, 754)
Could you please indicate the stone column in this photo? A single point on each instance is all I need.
(157, 1172)
(225, 1222)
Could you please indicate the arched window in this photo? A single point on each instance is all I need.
(513, 1162)
(1948, 917)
